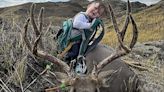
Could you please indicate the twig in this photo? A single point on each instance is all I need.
(37, 71)
(5, 86)
(35, 79)
(8, 80)
(18, 26)
(55, 89)
(136, 65)
(20, 81)
(54, 76)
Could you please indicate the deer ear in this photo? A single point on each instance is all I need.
(107, 76)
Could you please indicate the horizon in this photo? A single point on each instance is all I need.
(147, 2)
(8, 3)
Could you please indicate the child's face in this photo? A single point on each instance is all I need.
(93, 10)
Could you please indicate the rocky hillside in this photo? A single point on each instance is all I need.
(149, 56)
(118, 5)
(60, 9)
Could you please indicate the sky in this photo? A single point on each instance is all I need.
(5, 3)
(148, 2)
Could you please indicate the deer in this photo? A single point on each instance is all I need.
(108, 73)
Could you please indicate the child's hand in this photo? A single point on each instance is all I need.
(95, 23)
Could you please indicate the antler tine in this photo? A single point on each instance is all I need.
(123, 32)
(109, 59)
(40, 53)
(129, 7)
(117, 29)
(113, 19)
(34, 49)
(25, 36)
(40, 23)
(135, 32)
(40, 18)
(33, 21)
(43, 54)
(124, 49)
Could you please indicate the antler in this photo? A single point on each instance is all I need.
(122, 49)
(33, 49)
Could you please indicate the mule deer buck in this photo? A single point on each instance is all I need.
(109, 75)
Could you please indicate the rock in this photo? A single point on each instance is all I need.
(149, 48)
(160, 45)
(145, 51)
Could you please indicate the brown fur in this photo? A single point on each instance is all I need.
(119, 80)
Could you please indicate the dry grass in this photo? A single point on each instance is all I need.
(14, 57)
(150, 26)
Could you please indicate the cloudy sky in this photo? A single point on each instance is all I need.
(5, 3)
(148, 2)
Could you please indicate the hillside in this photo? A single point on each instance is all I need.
(118, 5)
(150, 23)
(60, 10)
(63, 9)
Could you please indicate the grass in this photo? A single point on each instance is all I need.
(19, 73)
(150, 26)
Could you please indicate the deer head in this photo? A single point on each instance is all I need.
(98, 78)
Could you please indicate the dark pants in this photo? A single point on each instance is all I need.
(73, 52)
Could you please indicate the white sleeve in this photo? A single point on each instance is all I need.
(81, 22)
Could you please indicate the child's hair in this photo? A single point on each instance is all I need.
(101, 6)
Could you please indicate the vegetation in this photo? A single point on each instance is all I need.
(150, 25)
